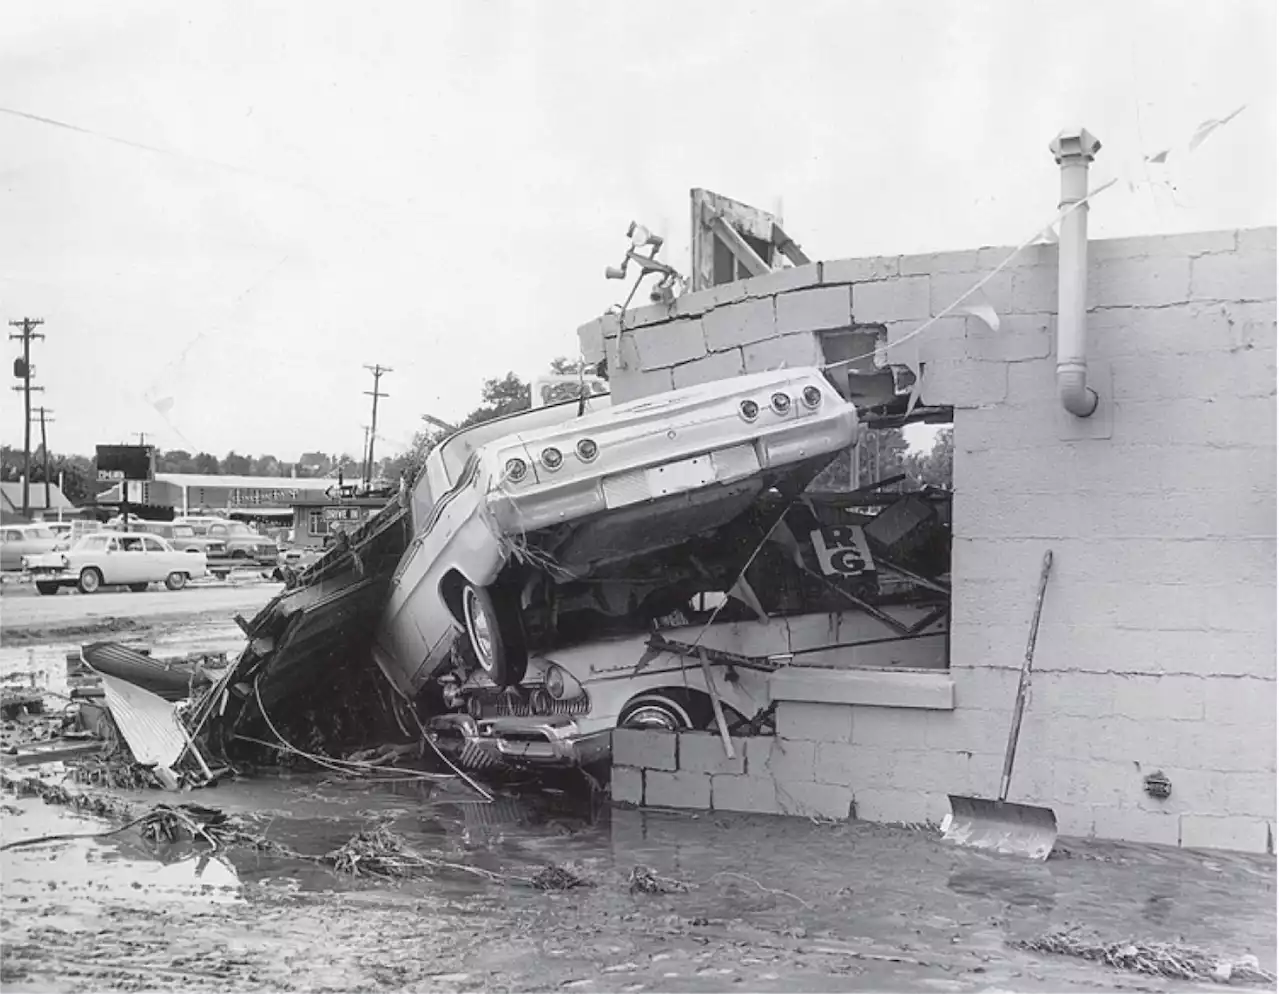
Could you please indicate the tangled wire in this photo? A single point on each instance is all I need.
(1156, 958)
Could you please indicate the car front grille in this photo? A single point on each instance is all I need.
(495, 703)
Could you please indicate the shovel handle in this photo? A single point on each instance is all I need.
(1024, 680)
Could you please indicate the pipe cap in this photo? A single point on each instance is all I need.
(1073, 143)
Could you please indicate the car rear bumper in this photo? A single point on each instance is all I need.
(541, 742)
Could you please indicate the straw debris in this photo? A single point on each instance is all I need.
(1155, 958)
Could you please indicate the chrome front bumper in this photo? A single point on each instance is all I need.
(554, 741)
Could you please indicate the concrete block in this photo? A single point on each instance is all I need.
(1224, 422)
(695, 304)
(867, 270)
(903, 299)
(890, 728)
(965, 383)
(680, 789)
(1146, 827)
(1217, 376)
(647, 315)
(814, 722)
(781, 759)
(1234, 832)
(1238, 276)
(758, 795)
(936, 771)
(703, 752)
(878, 688)
(929, 263)
(1248, 703)
(946, 289)
(1251, 793)
(739, 324)
(626, 785)
(662, 345)
(814, 800)
(842, 763)
(708, 369)
(1020, 337)
(943, 339)
(1034, 290)
(907, 807)
(784, 352)
(1182, 329)
(1166, 246)
(816, 309)
(621, 352)
(593, 335)
(783, 280)
(1252, 324)
(1256, 240)
(632, 384)
(1149, 282)
(1031, 257)
(644, 749)
(982, 730)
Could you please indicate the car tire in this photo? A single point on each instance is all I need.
(175, 581)
(492, 620)
(46, 588)
(674, 710)
(138, 588)
(90, 580)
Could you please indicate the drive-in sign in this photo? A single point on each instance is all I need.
(842, 551)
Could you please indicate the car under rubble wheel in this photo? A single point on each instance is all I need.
(667, 710)
(492, 620)
(138, 588)
(175, 581)
(46, 588)
(90, 580)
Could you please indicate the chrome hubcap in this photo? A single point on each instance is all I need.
(654, 717)
(478, 626)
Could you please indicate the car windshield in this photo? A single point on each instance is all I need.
(40, 533)
(183, 531)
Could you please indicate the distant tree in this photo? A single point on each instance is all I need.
(234, 464)
(314, 464)
(266, 465)
(206, 463)
(934, 468)
(506, 395)
(78, 477)
(882, 453)
(175, 461)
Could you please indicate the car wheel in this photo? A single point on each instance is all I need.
(46, 588)
(672, 710)
(175, 581)
(492, 619)
(90, 580)
(138, 588)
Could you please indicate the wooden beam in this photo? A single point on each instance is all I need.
(736, 244)
(789, 248)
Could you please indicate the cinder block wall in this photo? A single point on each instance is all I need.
(1157, 648)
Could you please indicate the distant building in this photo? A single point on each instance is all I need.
(11, 503)
(191, 493)
(316, 517)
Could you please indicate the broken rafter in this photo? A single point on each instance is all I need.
(735, 243)
(788, 247)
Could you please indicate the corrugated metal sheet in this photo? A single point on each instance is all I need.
(148, 723)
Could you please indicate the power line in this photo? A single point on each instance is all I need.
(378, 372)
(23, 369)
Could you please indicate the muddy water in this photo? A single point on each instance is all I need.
(774, 904)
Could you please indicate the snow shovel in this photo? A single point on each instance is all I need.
(1013, 829)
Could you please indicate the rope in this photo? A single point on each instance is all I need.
(20, 843)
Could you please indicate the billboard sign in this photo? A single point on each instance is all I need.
(118, 463)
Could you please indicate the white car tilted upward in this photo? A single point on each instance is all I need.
(542, 528)
(110, 559)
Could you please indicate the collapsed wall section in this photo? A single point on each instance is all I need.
(1157, 650)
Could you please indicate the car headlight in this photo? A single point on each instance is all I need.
(561, 685)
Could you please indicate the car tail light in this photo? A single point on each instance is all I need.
(749, 409)
(516, 470)
(587, 450)
(552, 457)
(780, 403)
(812, 396)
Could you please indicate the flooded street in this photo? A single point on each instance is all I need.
(772, 904)
(763, 903)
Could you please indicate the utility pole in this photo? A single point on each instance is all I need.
(22, 370)
(365, 471)
(378, 372)
(44, 447)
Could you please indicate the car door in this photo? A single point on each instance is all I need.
(10, 548)
(161, 560)
(129, 560)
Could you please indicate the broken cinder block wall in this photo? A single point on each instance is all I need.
(1157, 648)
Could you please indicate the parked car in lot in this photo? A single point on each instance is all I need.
(17, 541)
(183, 537)
(132, 559)
(539, 529)
(239, 541)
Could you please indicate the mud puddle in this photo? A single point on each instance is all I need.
(766, 904)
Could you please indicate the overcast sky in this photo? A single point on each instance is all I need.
(438, 187)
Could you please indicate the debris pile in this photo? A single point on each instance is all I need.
(1155, 958)
(558, 878)
(377, 852)
(644, 881)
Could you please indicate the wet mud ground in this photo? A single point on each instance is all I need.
(773, 904)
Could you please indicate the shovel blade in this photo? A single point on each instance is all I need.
(1000, 826)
